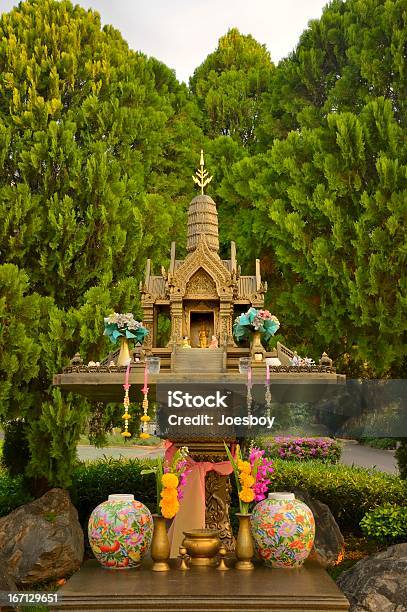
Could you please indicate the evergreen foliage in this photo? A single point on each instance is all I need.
(89, 133)
(330, 205)
(97, 146)
(324, 205)
(355, 52)
(229, 84)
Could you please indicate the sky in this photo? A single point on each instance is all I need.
(181, 33)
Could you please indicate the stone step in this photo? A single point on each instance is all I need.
(198, 360)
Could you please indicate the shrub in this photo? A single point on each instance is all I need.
(13, 493)
(387, 524)
(349, 491)
(16, 454)
(383, 443)
(401, 456)
(303, 449)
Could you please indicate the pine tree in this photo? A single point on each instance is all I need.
(228, 87)
(330, 207)
(353, 53)
(94, 140)
(324, 206)
(83, 127)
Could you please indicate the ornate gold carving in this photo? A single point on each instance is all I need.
(211, 263)
(176, 329)
(202, 178)
(217, 496)
(201, 284)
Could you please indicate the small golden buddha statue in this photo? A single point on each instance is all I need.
(203, 338)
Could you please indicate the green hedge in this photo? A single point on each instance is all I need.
(382, 443)
(349, 492)
(94, 481)
(387, 524)
(13, 493)
(401, 456)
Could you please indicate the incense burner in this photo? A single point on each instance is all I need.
(202, 546)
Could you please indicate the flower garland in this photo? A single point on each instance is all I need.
(126, 403)
(145, 418)
(252, 476)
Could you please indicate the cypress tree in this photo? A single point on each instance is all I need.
(89, 133)
(228, 87)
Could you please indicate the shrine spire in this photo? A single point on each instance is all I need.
(202, 214)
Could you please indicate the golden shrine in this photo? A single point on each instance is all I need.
(203, 293)
(201, 296)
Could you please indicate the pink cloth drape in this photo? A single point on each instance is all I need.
(191, 514)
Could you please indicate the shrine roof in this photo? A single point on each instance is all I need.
(246, 286)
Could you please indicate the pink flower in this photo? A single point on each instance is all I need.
(287, 529)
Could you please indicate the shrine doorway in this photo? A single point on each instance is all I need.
(201, 323)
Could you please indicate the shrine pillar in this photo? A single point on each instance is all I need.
(149, 323)
(176, 321)
(226, 323)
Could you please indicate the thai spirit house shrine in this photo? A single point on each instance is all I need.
(201, 295)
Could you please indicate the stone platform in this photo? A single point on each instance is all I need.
(202, 589)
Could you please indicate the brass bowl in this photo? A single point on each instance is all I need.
(202, 546)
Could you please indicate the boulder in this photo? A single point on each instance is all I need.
(6, 580)
(329, 543)
(42, 540)
(378, 582)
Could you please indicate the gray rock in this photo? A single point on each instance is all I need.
(329, 543)
(378, 583)
(42, 540)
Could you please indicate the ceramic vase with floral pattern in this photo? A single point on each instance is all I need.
(120, 531)
(283, 530)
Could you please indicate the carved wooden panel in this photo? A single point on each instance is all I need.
(201, 284)
(217, 498)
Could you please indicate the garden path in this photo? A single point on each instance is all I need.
(89, 453)
(366, 456)
(353, 453)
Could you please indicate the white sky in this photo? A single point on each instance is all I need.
(181, 33)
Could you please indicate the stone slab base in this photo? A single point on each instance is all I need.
(202, 589)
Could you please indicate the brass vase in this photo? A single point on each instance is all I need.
(124, 355)
(244, 543)
(160, 545)
(256, 347)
